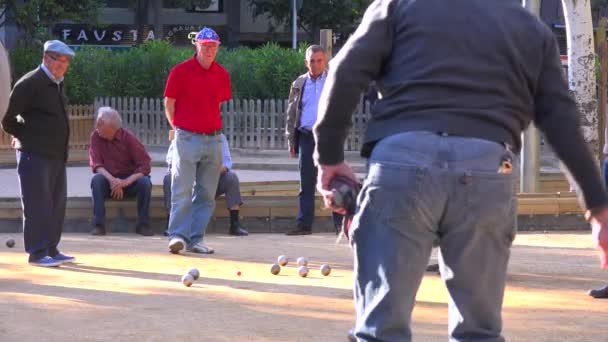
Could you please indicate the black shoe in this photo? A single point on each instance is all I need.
(599, 293)
(338, 229)
(300, 230)
(432, 268)
(144, 229)
(238, 231)
(99, 230)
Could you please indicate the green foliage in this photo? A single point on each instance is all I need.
(264, 72)
(342, 16)
(35, 17)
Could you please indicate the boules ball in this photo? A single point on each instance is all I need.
(302, 261)
(282, 260)
(303, 271)
(10, 243)
(194, 273)
(275, 269)
(325, 270)
(188, 280)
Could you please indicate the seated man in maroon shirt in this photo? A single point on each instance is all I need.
(121, 168)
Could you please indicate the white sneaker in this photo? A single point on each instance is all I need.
(176, 244)
(200, 248)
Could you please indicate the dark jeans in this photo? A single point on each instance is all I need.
(43, 197)
(308, 182)
(141, 188)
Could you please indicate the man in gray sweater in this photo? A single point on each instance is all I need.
(458, 82)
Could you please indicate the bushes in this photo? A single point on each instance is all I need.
(264, 72)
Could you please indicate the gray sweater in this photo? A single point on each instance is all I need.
(474, 68)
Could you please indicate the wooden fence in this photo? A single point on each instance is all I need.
(254, 124)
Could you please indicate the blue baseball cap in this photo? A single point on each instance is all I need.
(207, 35)
(59, 47)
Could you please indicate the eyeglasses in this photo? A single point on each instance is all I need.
(62, 61)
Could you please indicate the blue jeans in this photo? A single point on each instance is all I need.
(43, 197)
(308, 182)
(423, 187)
(141, 188)
(196, 161)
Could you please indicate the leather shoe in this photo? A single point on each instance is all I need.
(300, 230)
(599, 293)
(99, 230)
(144, 229)
(238, 231)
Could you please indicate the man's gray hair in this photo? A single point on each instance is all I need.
(314, 49)
(109, 116)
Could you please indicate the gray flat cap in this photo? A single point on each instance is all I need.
(58, 46)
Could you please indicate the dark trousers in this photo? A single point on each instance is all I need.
(141, 188)
(43, 198)
(606, 172)
(308, 182)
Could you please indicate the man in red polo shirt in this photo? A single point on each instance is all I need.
(195, 88)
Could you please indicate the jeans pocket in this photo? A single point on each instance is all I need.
(389, 195)
(491, 202)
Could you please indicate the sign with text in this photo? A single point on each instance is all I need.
(106, 35)
(184, 34)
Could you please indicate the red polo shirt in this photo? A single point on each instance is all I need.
(198, 94)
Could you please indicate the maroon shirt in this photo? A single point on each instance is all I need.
(121, 157)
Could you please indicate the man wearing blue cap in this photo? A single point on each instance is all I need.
(195, 88)
(40, 133)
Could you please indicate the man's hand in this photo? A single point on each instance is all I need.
(292, 152)
(14, 142)
(326, 174)
(599, 233)
(117, 193)
(115, 183)
(224, 170)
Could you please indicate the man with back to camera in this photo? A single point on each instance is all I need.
(40, 131)
(440, 146)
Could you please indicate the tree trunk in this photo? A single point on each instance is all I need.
(581, 65)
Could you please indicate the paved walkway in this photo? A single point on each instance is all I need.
(251, 165)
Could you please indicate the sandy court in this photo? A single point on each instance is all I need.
(127, 288)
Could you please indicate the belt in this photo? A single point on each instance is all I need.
(305, 130)
(214, 133)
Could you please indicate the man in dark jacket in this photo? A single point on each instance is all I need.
(38, 121)
(441, 141)
(302, 108)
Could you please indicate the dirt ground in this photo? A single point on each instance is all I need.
(127, 288)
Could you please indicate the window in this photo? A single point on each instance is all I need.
(117, 3)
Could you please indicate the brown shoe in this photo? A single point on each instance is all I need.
(300, 230)
(144, 229)
(99, 230)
